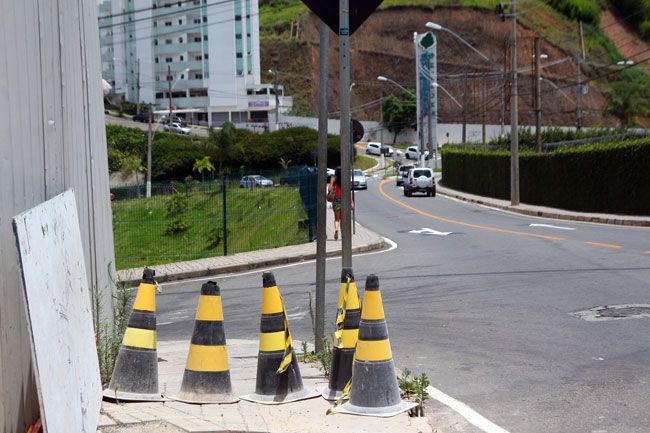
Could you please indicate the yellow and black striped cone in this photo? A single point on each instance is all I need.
(207, 378)
(135, 376)
(345, 336)
(374, 390)
(278, 374)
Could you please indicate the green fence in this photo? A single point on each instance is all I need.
(192, 220)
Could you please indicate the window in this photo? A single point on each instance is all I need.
(197, 58)
(182, 76)
(198, 92)
(205, 19)
(238, 36)
(155, 23)
(180, 22)
(205, 37)
(155, 42)
(237, 17)
(197, 39)
(198, 76)
(182, 58)
(170, 78)
(180, 40)
(160, 95)
(168, 41)
(157, 59)
(205, 56)
(168, 60)
(239, 55)
(168, 23)
(157, 77)
(197, 21)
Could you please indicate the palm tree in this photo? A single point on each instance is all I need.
(202, 165)
(223, 140)
(133, 165)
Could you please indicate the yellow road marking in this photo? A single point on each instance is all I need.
(475, 226)
(599, 244)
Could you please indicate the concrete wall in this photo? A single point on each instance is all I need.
(52, 139)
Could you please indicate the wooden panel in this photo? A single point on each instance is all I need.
(57, 301)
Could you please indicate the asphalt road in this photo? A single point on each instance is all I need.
(485, 311)
(126, 121)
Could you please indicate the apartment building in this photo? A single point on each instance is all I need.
(206, 51)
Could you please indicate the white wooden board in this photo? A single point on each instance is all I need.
(59, 314)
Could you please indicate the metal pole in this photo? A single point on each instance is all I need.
(579, 59)
(344, 81)
(169, 85)
(224, 211)
(149, 145)
(430, 119)
(465, 104)
(483, 109)
(505, 88)
(137, 107)
(514, 113)
(321, 206)
(277, 98)
(538, 95)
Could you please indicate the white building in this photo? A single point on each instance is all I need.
(208, 50)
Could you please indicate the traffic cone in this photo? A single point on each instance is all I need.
(374, 390)
(135, 376)
(278, 375)
(345, 336)
(207, 377)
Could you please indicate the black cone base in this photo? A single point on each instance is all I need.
(206, 387)
(135, 377)
(341, 373)
(273, 388)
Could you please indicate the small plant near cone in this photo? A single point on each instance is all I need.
(322, 358)
(414, 389)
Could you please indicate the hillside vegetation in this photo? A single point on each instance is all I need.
(637, 13)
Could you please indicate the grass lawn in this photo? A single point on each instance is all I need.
(363, 162)
(256, 219)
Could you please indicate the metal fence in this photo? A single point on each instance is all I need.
(197, 219)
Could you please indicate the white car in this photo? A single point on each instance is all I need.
(359, 180)
(420, 180)
(254, 180)
(374, 148)
(412, 152)
(176, 127)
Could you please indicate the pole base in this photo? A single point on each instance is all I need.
(112, 394)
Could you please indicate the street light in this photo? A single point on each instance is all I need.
(434, 26)
(382, 78)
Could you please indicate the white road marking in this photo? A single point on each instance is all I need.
(465, 411)
(392, 247)
(428, 231)
(164, 323)
(551, 226)
(297, 316)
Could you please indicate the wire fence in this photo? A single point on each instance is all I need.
(197, 219)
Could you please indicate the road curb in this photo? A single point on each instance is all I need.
(555, 214)
(229, 269)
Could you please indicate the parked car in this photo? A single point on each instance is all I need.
(412, 152)
(141, 117)
(359, 180)
(402, 172)
(420, 180)
(177, 127)
(254, 180)
(165, 121)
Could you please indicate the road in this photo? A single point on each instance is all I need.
(125, 121)
(485, 310)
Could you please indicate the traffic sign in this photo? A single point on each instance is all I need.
(328, 11)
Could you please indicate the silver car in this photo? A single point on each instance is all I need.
(254, 180)
(359, 180)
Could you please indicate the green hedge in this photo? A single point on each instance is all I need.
(174, 155)
(583, 10)
(604, 177)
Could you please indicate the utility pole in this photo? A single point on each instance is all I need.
(538, 95)
(483, 105)
(149, 144)
(137, 68)
(169, 85)
(504, 97)
(321, 205)
(514, 111)
(579, 59)
(346, 152)
(465, 107)
(277, 98)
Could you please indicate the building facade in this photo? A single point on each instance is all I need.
(206, 51)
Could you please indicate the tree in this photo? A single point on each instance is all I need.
(202, 165)
(223, 140)
(628, 99)
(399, 114)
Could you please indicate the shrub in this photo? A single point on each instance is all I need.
(604, 177)
(583, 10)
(176, 209)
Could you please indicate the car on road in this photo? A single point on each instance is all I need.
(412, 152)
(141, 117)
(420, 180)
(178, 128)
(165, 120)
(359, 180)
(373, 148)
(254, 180)
(402, 172)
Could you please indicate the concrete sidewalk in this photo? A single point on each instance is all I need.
(362, 241)
(305, 416)
(546, 212)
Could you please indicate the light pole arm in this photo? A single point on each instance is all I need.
(457, 36)
(382, 78)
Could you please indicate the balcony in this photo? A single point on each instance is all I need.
(175, 10)
(162, 86)
(179, 66)
(106, 40)
(177, 48)
(107, 56)
(180, 103)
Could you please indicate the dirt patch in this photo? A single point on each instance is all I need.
(150, 427)
(626, 40)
